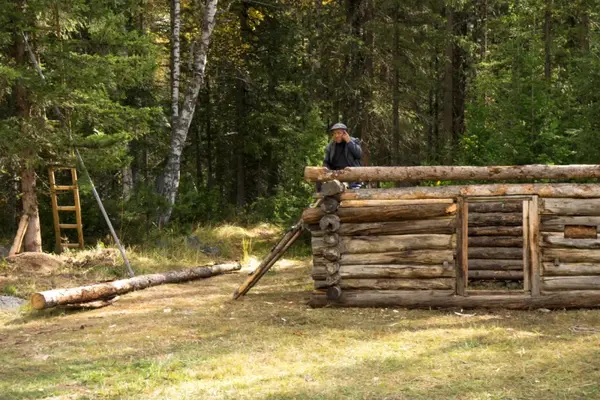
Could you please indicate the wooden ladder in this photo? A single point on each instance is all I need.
(54, 188)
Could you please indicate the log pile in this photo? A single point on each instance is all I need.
(495, 241)
(570, 245)
(382, 245)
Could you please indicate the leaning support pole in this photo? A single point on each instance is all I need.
(276, 252)
(16, 246)
(83, 294)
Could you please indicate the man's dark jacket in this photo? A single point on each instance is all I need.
(353, 153)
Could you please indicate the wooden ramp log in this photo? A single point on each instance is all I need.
(83, 294)
(445, 172)
(276, 252)
(16, 246)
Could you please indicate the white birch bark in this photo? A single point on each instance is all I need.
(181, 127)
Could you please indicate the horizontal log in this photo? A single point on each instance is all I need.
(571, 255)
(381, 244)
(497, 207)
(447, 299)
(495, 253)
(445, 172)
(83, 294)
(383, 214)
(380, 203)
(495, 241)
(551, 223)
(438, 225)
(319, 271)
(559, 190)
(496, 231)
(400, 257)
(584, 207)
(570, 269)
(551, 283)
(498, 219)
(392, 284)
(496, 275)
(496, 265)
(557, 240)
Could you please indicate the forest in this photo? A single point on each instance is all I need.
(200, 112)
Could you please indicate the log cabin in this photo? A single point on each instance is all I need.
(510, 245)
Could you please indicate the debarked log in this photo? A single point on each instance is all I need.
(495, 253)
(557, 240)
(580, 232)
(400, 257)
(439, 225)
(83, 294)
(584, 207)
(392, 284)
(570, 255)
(498, 219)
(496, 231)
(495, 265)
(551, 283)
(496, 275)
(495, 241)
(570, 269)
(383, 214)
(447, 299)
(381, 244)
(560, 190)
(445, 172)
(415, 271)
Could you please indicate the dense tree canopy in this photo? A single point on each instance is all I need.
(419, 82)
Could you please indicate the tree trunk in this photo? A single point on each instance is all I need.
(242, 109)
(548, 41)
(83, 294)
(396, 91)
(179, 135)
(175, 60)
(448, 119)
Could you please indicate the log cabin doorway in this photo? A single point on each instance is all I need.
(497, 245)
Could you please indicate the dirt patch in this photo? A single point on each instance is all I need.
(35, 263)
(94, 258)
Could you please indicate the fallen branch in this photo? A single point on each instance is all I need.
(84, 294)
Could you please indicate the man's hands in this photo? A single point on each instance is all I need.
(346, 137)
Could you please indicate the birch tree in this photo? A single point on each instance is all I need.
(182, 123)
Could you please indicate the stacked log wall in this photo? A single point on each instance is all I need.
(496, 241)
(570, 262)
(396, 245)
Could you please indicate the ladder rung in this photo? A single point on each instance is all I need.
(71, 245)
(66, 208)
(68, 226)
(65, 187)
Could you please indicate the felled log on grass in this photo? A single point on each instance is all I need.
(83, 294)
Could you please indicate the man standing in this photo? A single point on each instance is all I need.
(343, 151)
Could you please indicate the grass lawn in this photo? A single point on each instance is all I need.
(191, 341)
